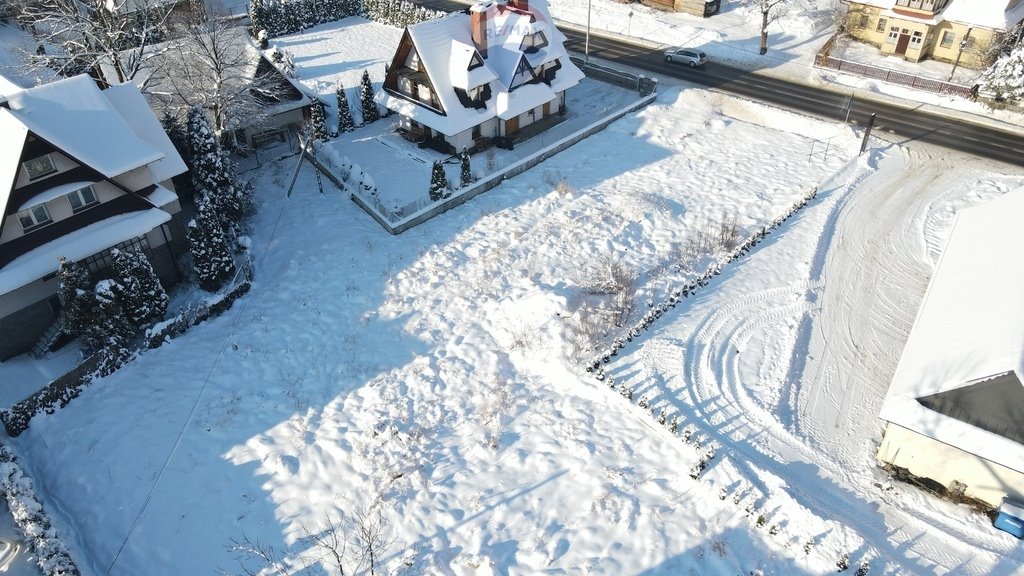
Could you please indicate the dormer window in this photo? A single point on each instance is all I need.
(82, 198)
(476, 61)
(34, 217)
(533, 42)
(38, 167)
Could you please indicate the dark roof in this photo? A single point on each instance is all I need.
(994, 404)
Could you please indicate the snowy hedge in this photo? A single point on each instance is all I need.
(51, 554)
(1004, 80)
(280, 17)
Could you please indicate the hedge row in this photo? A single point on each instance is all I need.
(64, 389)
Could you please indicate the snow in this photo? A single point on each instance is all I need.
(53, 194)
(968, 328)
(76, 245)
(51, 110)
(161, 196)
(137, 114)
(11, 145)
(994, 14)
(24, 375)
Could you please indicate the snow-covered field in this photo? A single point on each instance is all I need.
(434, 372)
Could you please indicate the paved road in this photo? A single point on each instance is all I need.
(907, 122)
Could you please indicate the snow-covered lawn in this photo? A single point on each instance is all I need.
(401, 170)
(432, 371)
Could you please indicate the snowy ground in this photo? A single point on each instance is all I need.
(401, 170)
(433, 371)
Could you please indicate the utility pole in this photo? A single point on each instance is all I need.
(586, 45)
(867, 133)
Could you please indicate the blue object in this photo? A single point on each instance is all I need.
(1011, 518)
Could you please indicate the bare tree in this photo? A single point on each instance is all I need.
(771, 11)
(373, 537)
(216, 67)
(331, 540)
(75, 36)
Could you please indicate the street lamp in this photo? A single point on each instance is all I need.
(586, 45)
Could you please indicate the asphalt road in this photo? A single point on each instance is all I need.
(908, 124)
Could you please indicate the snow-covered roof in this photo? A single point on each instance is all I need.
(8, 87)
(53, 194)
(994, 14)
(968, 330)
(77, 245)
(445, 47)
(75, 116)
(14, 135)
(131, 105)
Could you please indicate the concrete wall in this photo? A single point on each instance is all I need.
(929, 458)
(19, 331)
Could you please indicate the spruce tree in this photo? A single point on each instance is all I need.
(179, 139)
(257, 16)
(141, 295)
(318, 118)
(75, 294)
(370, 112)
(345, 122)
(213, 174)
(438, 182)
(211, 257)
(111, 332)
(465, 173)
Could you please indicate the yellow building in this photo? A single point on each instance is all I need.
(961, 31)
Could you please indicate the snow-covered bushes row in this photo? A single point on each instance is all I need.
(66, 388)
(280, 17)
(351, 174)
(51, 554)
(678, 294)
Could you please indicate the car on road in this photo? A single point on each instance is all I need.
(688, 56)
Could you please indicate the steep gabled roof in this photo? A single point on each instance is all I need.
(446, 49)
(993, 14)
(75, 116)
(11, 144)
(139, 117)
(967, 343)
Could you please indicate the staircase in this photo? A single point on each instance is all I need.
(49, 337)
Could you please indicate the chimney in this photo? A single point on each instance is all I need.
(521, 5)
(478, 26)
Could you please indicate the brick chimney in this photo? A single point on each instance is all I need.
(478, 26)
(521, 5)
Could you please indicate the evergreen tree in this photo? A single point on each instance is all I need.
(179, 139)
(213, 174)
(257, 16)
(1005, 78)
(465, 173)
(141, 295)
(438, 182)
(111, 331)
(370, 113)
(211, 258)
(345, 122)
(75, 294)
(318, 118)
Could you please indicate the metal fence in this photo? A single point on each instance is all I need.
(644, 85)
(891, 76)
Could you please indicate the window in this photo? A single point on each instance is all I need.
(39, 167)
(34, 217)
(864, 20)
(82, 198)
(533, 42)
(894, 34)
(881, 25)
(103, 260)
(916, 39)
(269, 138)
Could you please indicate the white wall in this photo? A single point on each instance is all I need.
(923, 456)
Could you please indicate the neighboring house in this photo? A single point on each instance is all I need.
(695, 7)
(278, 107)
(82, 171)
(500, 71)
(960, 31)
(955, 408)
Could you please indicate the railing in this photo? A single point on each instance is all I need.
(823, 60)
(644, 85)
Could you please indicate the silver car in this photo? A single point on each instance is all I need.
(689, 56)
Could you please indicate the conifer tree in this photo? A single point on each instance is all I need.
(211, 257)
(213, 174)
(465, 173)
(318, 118)
(140, 293)
(257, 16)
(179, 139)
(438, 182)
(370, 112)
(345, 122)
(111, 332)
(75, 294)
